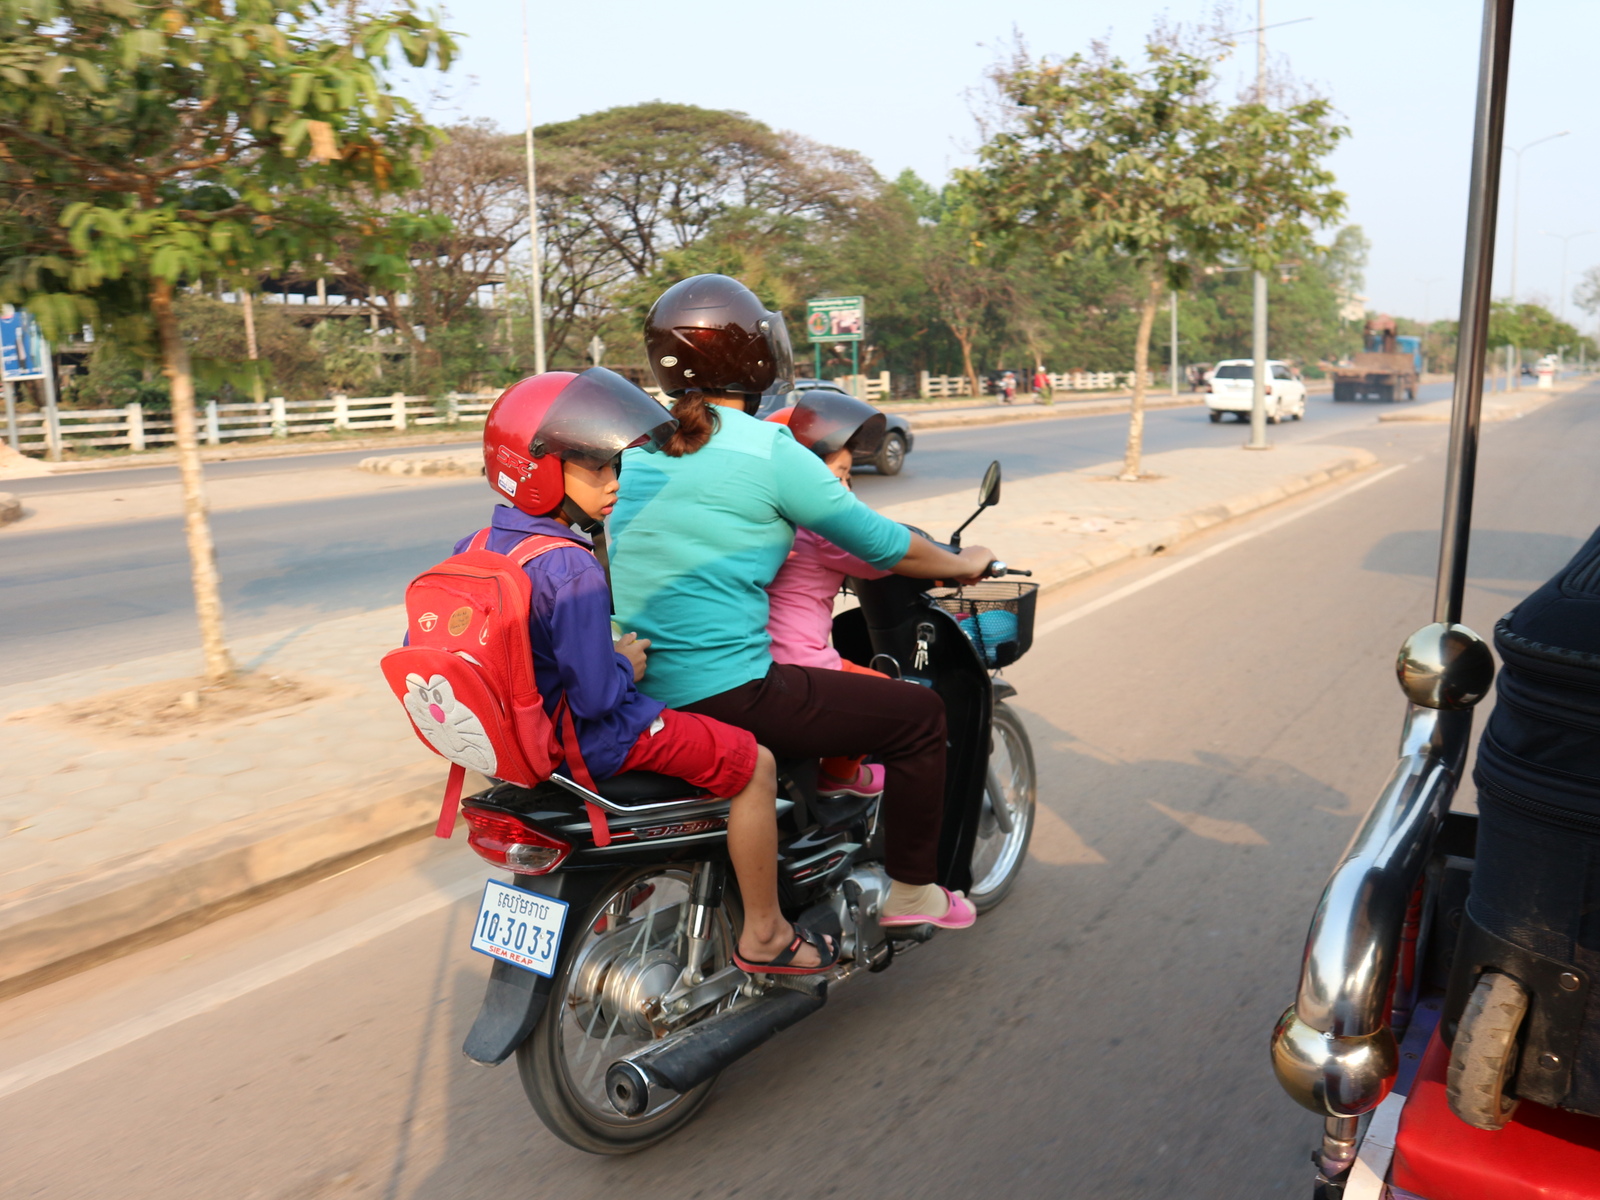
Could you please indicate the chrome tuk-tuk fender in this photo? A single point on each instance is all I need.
(1333, 1050)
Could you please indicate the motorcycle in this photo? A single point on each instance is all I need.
(613, 980)
(1408, 1034)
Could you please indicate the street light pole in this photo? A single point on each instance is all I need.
(1258, 324)
(536, 278)
(1565, 238)
(1516, 203)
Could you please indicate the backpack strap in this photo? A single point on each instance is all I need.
(536, 544)
(598, 823)
(480, 540)
(452, 802)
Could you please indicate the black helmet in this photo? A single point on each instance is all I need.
(825, 422)
(712, 333)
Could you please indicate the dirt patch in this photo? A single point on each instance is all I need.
(174, 707)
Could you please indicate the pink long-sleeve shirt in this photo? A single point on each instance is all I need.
(800, 600)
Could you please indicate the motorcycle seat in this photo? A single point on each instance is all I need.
(643, 787)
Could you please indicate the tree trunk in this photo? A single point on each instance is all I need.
(248, 304)
(1131, 461)
(196, 521)
(966, 362)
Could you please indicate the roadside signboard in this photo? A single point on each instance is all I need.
(836, 319)
(23, 352)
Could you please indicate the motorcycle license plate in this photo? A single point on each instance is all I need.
(520, 927)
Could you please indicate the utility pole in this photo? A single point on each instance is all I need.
(1258, 323)
(1516, 203)
(1565, 239)
(536, 276)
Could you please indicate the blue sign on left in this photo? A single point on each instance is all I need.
(23, 352)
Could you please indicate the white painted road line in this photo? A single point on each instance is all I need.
(1122, 593)
(77, 1053)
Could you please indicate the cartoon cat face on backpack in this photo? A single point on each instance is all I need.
(545, 420)
(450, 727)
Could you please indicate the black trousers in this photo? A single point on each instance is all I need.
(810, 712)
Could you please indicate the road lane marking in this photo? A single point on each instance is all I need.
(85, 1049)
(1122, 593)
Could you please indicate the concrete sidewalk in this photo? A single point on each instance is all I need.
(109, 841)
(1497, 406)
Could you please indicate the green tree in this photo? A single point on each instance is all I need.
(146, 149)
(1093, 156)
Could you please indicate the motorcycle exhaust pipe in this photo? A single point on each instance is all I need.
(638, 1082)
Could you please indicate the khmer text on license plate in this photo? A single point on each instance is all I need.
(520, 927)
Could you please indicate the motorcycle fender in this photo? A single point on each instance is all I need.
(1003, 690)
(515, 998)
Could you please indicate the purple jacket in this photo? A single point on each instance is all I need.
(569, 625)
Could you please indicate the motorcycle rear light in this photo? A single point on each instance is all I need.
(508, 842)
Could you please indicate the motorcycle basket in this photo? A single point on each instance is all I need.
(996, 614)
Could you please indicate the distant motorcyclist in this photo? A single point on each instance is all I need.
(700, 530)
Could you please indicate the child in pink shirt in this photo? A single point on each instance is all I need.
(800, 622)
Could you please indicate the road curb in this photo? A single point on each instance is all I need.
(1164, 535)
(57, 928)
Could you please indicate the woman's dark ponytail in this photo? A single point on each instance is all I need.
(697, 421)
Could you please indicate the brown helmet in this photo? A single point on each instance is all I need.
(711, 333)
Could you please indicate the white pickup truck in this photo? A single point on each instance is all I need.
(1233, 388)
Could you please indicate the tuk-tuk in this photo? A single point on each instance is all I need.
(1439, 1052)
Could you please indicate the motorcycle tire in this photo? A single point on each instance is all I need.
(543, 1060)
(998, 858)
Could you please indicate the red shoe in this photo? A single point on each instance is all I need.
(867, 784)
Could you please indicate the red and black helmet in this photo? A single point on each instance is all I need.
(825, 422)
(545, 420)
(712, 333)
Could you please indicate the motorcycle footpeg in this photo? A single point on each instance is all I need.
(912, 933)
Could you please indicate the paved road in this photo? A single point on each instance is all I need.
(1204, 748)
(77, 597)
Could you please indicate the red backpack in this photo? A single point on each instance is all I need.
(466, 676)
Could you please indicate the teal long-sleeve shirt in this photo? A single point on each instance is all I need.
(695, 540)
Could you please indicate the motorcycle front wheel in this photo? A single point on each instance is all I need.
(1006, 824)
(630, 951)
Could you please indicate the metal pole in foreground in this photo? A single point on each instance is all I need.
(536, 275)
(1476, 279)
(1258, 323)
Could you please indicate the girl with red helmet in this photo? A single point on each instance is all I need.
(550, 447)
(702, 528)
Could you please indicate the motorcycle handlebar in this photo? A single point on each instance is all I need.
(997, 568)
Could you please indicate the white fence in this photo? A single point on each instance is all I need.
(867, 387)
(939, 387)
(130, 426)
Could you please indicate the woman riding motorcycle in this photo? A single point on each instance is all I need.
(700, 530)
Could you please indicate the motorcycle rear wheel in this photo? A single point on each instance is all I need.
(998, 855)
(583, 1030)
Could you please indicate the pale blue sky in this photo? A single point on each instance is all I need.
(894, 79)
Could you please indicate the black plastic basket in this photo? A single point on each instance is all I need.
(983, 610)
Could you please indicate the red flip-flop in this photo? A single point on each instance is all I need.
(783, 963)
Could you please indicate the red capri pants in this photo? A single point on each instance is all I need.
(705, 752)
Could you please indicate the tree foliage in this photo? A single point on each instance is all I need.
(1093, 156)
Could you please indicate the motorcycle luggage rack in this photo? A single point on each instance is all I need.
(969, 604)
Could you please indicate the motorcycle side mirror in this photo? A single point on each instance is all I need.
(988, 496)
(989, 489)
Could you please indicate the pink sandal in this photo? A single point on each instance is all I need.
(959, 915)
(867, 783)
